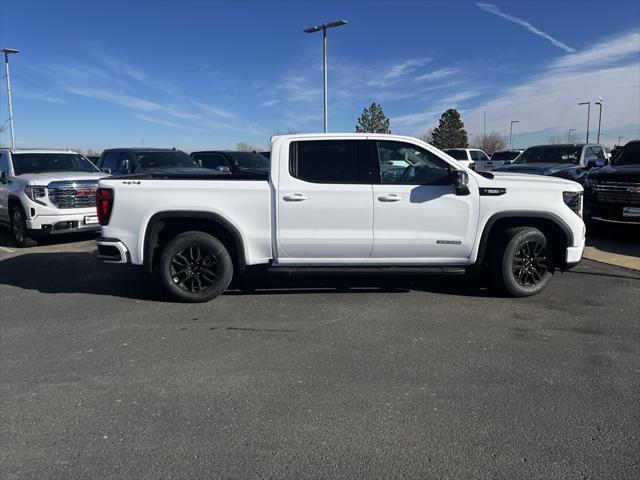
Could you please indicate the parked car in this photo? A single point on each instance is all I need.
(266, 155)
(229, 161)
(327, 207)
(498, 159)
(612, 192)
(467, 156)
(47, 192)
(93, 158)
(570, 161)
(124, 161)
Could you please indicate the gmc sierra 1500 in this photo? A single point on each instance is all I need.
(342, 201)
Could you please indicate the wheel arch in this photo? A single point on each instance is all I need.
(164, 226)
(550, 224)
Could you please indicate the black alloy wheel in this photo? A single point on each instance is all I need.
(530, 264)
(194, 269)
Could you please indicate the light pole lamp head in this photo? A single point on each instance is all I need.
(7, 51)
(324, 26)
(584, 103)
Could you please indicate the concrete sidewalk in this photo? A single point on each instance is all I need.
(615, 247)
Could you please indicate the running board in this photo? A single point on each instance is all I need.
(284, 270)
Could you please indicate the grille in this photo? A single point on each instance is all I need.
(618, 192)
(79, 196)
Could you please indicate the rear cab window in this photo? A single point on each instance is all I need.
(330, 161)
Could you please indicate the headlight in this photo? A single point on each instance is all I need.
(573, 200)
(35, 193)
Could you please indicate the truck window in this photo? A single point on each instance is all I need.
(409, 164)
(212, 160)
(4, 164)
(110, 162)
(325, 161)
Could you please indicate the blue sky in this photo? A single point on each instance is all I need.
(211, 74)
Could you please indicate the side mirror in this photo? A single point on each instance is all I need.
(126, 165)
(3, 176)
(602, 162)
(223, 169)
(460, 180)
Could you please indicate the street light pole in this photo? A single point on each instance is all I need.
(511, 132)
(317, 28)
(599, 103)
(6, 52)
(588, 104)
(620, 138)
(569, 135)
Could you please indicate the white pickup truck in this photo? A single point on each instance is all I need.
(336, 202)
(47, 192)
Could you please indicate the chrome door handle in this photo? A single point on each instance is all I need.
(294, 197)
(392, 197)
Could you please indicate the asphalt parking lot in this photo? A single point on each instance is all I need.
(314, 377)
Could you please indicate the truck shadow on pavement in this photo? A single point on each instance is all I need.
(82, 272)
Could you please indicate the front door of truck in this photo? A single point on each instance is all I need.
(324, 203)
(418, 217)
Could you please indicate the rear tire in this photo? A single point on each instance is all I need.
(522, 265)
(19, 228)
(195, 267)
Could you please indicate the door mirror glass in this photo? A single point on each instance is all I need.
(460, 180)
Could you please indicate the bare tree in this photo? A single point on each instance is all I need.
(245, 147)
(570, 138)
(491, 142)
(427, 136)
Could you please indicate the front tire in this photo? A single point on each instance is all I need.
(19, 228)
(195, 267)
(522, 263)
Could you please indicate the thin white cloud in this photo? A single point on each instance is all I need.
(122, 68)
(494, 10)
(210, 109)
(405, 67)
(38, 97)
(413, 119)
(269, 103)
(437, 74)
(611, 51)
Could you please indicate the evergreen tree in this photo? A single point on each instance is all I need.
(373, 120)
(450, 132)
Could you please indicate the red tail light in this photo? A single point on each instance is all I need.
(104, 204)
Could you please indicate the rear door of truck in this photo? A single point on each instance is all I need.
(324, 202)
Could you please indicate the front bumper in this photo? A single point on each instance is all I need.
(112, 250)
(81, 220)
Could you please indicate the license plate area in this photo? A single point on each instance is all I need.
(91, 220)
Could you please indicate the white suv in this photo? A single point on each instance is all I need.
(46, 192)
(467, 156)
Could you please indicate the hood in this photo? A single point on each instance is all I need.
(506, 179)
(538, 168)
(613, 173)
(46, 177)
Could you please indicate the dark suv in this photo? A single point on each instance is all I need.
(122, 161)
(570, 161)
(612, 192)
(232, 162)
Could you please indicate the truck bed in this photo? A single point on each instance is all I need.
(243, 200)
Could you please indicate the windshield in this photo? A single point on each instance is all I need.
(169, 159)
(630, 155)
(51, 162)
(249, 161)
(504, 155)
(457, 154)
(550, 154)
